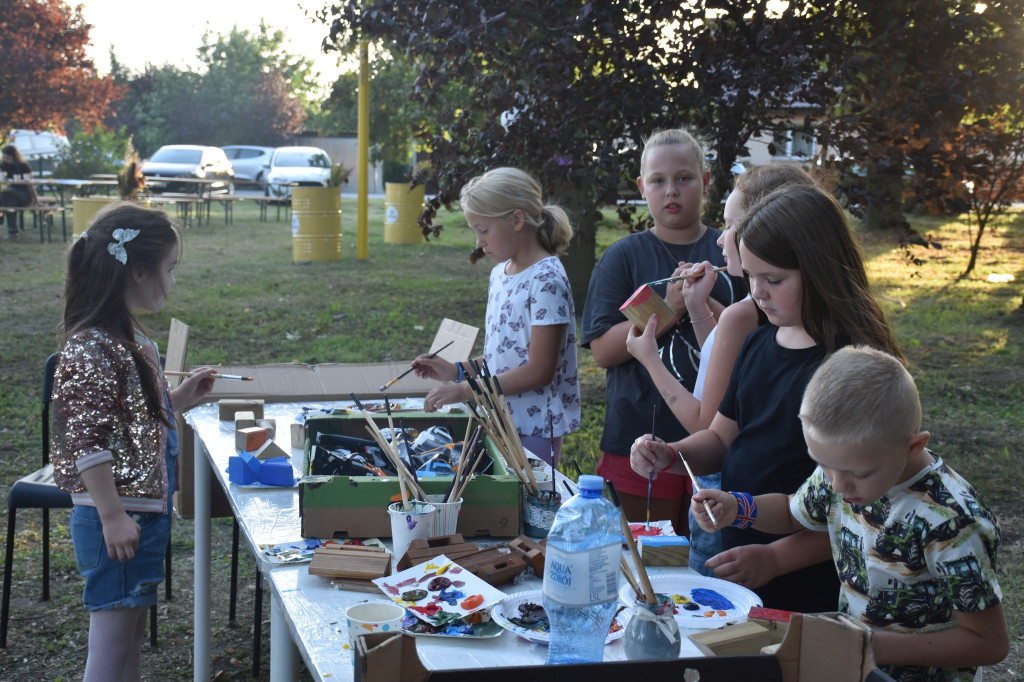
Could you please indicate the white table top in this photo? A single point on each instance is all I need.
(314, 609)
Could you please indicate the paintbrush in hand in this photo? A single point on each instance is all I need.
(696, 488)
(692, 275)
(650, 478)
(406, 372)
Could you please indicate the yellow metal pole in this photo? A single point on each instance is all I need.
(363, 153)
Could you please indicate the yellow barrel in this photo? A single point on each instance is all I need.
(316, 224)
(85, 209)
(402, 206)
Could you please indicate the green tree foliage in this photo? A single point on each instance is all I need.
(393, 112)
(569, 91)
(45, 76)
(904, 76)
(251, 92)
(89, 152)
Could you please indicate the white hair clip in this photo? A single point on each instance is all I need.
(117, 249)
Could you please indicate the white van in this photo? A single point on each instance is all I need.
(39, 147)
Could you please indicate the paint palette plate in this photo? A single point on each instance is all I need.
(717, 602)
(439, 591)
(503, 613)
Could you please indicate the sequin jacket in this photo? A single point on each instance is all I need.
(100, 415)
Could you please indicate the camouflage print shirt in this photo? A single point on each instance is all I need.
(907, 562)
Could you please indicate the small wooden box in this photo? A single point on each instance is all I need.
(732, 640)
(352, 567)
(645, 302)
(425, 549)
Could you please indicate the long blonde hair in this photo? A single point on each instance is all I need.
(501, 191)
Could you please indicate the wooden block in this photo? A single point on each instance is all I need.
(298, 432)
(494, 566)
(666, 550)
(245, 420)
(269, 450)
(229, 406)
(425, 549)
(645, 302)
(270, 425)
(250, 439)
(345, 563)
(732, 640)
(531, 551)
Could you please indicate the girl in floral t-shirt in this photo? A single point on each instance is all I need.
(530, 333)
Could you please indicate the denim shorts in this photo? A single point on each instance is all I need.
(109, 583)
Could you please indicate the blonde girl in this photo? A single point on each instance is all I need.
(530, 329)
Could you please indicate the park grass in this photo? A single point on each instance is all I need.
(247, 301)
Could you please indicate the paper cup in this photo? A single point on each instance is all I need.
(446, 521)
(406, 526)
(362, 619)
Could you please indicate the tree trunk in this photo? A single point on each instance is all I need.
(975, 246)
(579, 259)
(883, 200)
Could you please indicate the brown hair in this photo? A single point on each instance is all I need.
(801, 227)
(96, 282)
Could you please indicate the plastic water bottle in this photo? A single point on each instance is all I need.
(581, 574)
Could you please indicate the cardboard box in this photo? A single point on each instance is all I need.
(818, 647)
(355, 506)
(294, 382)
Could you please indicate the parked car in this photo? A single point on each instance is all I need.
(39, 147)
(297, 166)
(250, 163)
(189, 161)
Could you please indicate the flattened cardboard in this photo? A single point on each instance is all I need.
(294, 382)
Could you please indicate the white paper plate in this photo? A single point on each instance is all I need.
(509, 608)
(740, 599)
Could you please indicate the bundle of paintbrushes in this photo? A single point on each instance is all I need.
(491, 411)
(472, 454)
(407, 482)
(643, 590)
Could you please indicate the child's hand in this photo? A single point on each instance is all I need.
(193, 389)
(750, 565)
(427, 367)
(644, 345)
(448, 394)
(674, 290)
(697, 290)
(121, 535)
(723, 506)
(649, 455)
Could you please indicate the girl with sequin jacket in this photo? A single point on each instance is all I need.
(114, 446)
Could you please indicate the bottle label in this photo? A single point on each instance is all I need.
(582, 578)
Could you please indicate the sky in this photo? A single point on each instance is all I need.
(161, 32)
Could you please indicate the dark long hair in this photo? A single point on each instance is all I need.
(11, 150)
(96, 282)
(800, 227)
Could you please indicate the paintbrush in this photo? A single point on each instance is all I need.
(692, 275)
(696, 488)
(649, 595)
(650, 478)
(233, 377)
(406, 372)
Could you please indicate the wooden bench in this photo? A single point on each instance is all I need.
(265, 202)
(42, 217)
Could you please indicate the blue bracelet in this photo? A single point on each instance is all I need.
(747, 512)
(462, 373)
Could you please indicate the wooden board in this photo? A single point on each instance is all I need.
(357, 564)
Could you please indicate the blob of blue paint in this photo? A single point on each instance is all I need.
(711, 599)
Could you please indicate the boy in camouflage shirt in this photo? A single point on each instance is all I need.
(914, 547)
